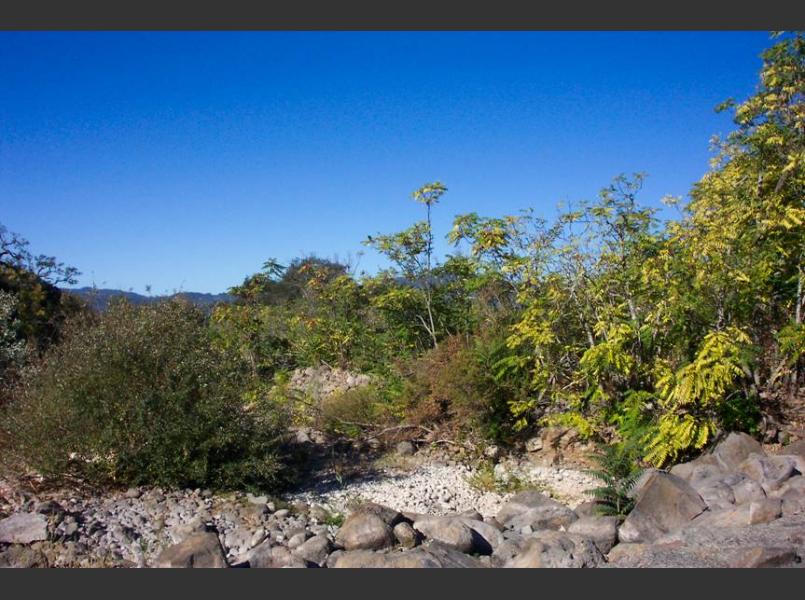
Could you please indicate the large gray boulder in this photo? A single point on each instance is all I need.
(665, 503)
(735, 449)
(770, 472)
(315, 550)
(556, 549)
(266, 556)
(23, 528)
(364, 531)
(603, 531)
(535, 510)
(200, 550)
(486, 537)
(448, 530)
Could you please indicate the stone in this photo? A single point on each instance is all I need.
(319, 513)
(735, 449)
(769, 471)
(23, 528)
(282, 513)
(556, 549)
(406, 535)
(492, 452)
(763, 511)
(795, 448)
(761, 558)
(259, 500)
(132, 493)
(405, 448)
(364, 531)
(361, 559)
(664, 504)
(23, 557)
(388, 515)
(747, 490)
(603, 531)
(486, 537)
(471, 514)
(533, 444)
(523, 502)
(450, 531)
(266, 556)
(200, 550)
(552, 515)
(315, 550)
(716, 494)
(296, 540)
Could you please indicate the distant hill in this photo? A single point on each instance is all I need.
(99, 298)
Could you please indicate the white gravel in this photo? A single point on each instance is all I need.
(439, 489)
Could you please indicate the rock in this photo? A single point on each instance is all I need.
(132, 493)
(23, 557)
(406, 535)
(735, 449)
(296, 540)
(551, 515)
(492, 452)
(523, 502)
(361, 559)
(266, 556)
(388, 515)
(23, 528)
(486, 537)
(282, 513)
(201, 550)
(534, 444)
(405, 448)
(664, 504)
(259, 500)
(603, 531)
(471, 514)
(49, 507)
(795, 448)
(448, 557)
(364, 531)
(447, 530)
(557, 550)
(319, 513)
(315, 550)
(761, 558)
(769, 471)
(716, 494)
(747, 490)
(763, 511)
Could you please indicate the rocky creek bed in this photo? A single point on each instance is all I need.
(734, 507)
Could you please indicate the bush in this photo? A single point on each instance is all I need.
(462, 384)
(140, 395)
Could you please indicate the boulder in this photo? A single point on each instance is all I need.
(603, 531)
(486, 537)
(405, 535)
(23, 528)
(200, 550)
(448, 530)
(405, 448)
(664, 504)
(364, 531)
(315, 550)
(769, 471)
(735, 449)
(763, 511)
(747, 490)
(795, 448)
(555, 549)
(534, 509)
(266, 556)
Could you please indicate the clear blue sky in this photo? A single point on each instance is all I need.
(184, 159)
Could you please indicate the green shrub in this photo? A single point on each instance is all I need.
(140, 395)
(618, 470)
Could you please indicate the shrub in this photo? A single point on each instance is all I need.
(140, 395)
(618, 470)
(462, 384)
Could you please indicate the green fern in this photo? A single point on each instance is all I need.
(618, 471)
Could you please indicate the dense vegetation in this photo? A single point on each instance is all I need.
(653, 335)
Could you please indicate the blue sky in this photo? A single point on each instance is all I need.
(182, 160)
